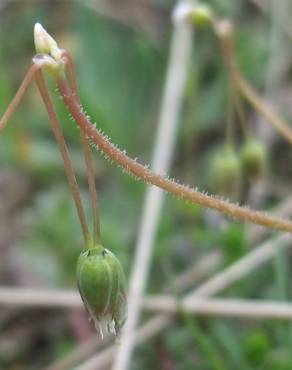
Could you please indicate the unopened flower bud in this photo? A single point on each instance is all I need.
(45, 44)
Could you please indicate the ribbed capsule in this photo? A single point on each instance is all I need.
(225, 172)
(253, 156)
(102, 286)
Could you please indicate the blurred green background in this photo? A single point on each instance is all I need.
(121, 52)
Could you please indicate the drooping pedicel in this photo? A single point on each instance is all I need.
(102, 286)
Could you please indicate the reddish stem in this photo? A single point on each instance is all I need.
(18, 96)
(145, 174)
(65, 155)
(86, 152)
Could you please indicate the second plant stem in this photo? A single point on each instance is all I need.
(65, 155)
(146, 175)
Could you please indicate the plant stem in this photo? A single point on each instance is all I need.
(92, 188)
(19, 94)
(146, 175)
(239, 109)
(86, 153)
(223, 30)
(229, 127)
(254, 99)
(65, 155)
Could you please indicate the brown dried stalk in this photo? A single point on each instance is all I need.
(224, 31)
(168, 304)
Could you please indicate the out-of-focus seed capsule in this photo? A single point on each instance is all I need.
(197, 14)
(102, 286)
(225, 172)
(253, 156)
(201, 15)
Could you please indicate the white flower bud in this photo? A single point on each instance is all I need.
(46, 44)
(195, 13)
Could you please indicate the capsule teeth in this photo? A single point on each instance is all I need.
(111, 327)
(106, 325)
(99, 327)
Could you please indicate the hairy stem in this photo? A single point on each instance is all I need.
(145, 174)
(65, 155)
(86, 153)
(18, 96)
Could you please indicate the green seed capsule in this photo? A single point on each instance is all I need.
(253, 156)
(201, 15)
(102, 286)
(225, 172)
